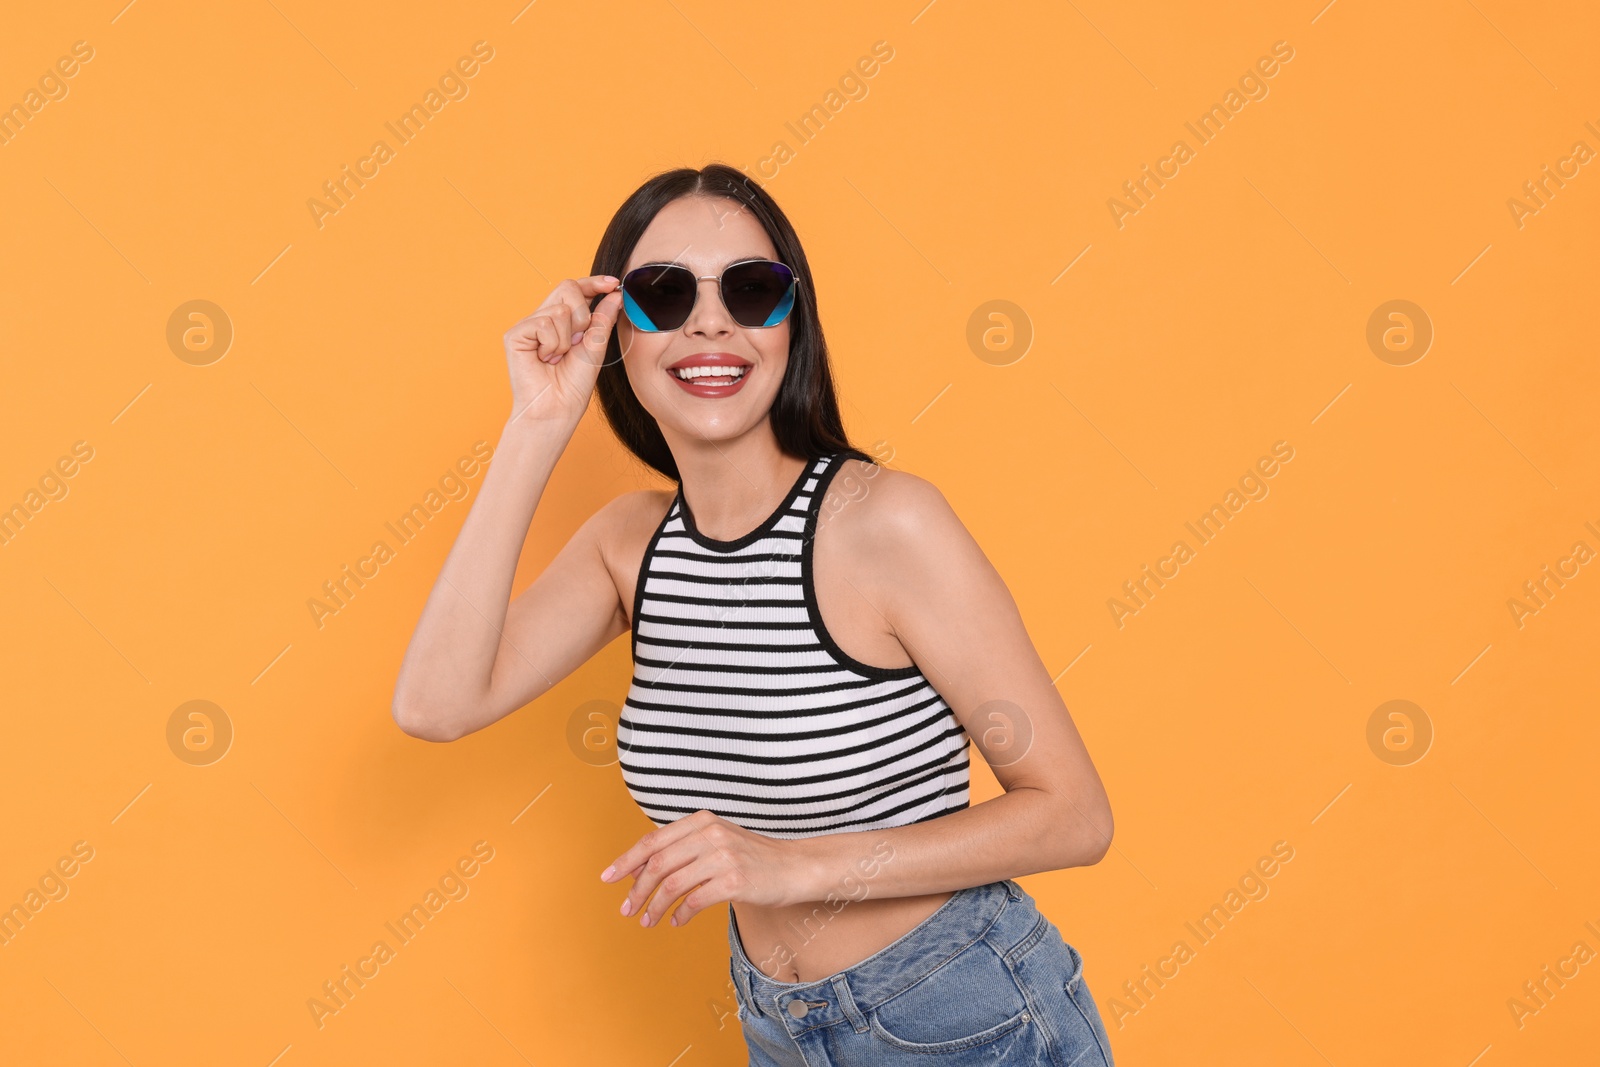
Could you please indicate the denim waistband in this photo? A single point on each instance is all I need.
(965, 917)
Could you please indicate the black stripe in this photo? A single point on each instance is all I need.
(858, 800)
(835, 827)
(739, 690)
(797, 779)
(723, 718)
(775, 761)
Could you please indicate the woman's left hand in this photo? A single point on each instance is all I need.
(712, 861)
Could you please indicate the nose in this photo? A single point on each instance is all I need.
(708, 317)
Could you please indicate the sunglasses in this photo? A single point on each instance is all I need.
(659, 296)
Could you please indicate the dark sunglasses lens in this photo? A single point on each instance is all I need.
(658, 297)
(759, 293)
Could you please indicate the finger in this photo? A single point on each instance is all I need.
(598, 332)
(578, 314)
(651, 842)
(653, 872)
(544, 331)
(562, 323)
(628, 907)
(697, 900)
(521, 337)
(594, 285)
(661, 873)
(599, 322)
(685, 879)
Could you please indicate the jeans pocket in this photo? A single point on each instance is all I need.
(1074, 977)
(1078, 993)
(970, 1001)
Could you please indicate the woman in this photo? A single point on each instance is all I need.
(814, 640)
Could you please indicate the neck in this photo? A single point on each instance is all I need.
(731, 486)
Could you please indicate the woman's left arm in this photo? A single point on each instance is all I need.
(957, 620)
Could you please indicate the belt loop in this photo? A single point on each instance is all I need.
(1013, 890)
(741, 981)
(736, 963)
(847, 1004)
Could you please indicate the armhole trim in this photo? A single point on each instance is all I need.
(644, 570)
(809, 587)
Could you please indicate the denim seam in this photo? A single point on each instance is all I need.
(1036, 1017)
(1027, 944)
(1105, 1056)
(741, 987)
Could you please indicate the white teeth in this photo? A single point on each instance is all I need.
(690, 373)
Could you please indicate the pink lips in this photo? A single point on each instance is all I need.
(699, 386)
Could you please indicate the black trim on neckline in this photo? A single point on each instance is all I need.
(638, 585)
(809, 585)
(680, 506)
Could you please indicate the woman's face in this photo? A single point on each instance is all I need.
(705, 234)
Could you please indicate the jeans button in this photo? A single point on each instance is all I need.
(798, 1009)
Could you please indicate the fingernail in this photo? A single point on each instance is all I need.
(644, 920)
(627, 907)
(605, 875)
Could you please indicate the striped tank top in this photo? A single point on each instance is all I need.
(743, 705)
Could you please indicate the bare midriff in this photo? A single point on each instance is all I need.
(809, 942)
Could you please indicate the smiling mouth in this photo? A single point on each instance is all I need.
(709, 375)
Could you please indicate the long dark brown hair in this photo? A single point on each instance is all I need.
(805, 413)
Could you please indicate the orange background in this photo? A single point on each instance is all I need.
(1229, 313)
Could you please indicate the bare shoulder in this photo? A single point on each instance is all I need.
(898, 542)
(895, 534)
(622, 528)
(624, 523)
(888, 510)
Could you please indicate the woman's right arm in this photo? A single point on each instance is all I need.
(475, 657)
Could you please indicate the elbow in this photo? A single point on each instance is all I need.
(1089, 840)
(418, 723)
(1102, 845)
(1104, 827)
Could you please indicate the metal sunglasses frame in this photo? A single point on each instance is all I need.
(794, 284)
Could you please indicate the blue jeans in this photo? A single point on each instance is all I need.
(985, 979)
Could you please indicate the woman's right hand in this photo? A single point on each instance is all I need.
(555, 354)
